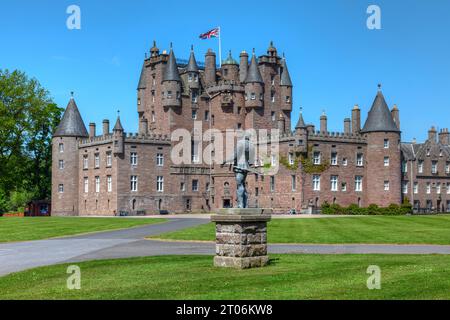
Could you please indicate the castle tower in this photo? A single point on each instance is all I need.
(65, 161)
(171, 83)
(210, 68)
(383, 157)
(230, 69)
(154, 51)
(119, 138)
(243, 66)
(193, 72)
(254, 86)
(286, 87)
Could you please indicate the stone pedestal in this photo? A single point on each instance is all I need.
(241, 238)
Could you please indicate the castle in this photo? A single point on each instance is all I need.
(118, 173)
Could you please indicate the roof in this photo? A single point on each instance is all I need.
(285, 77)
(253, 74)
(142, 83)
(71, 124)
(171, 71)
(380, 118)
(301, 122)
(192, 64)
(229, 59)
(118, 125)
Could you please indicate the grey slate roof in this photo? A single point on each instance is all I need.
(285, 77)
(301, 123)
(380, 118)
(142, 83)
(118, 125)
(171, 72)
(71, 124)
(192, 65)
(253, 74)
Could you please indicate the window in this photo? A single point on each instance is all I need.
(334, 183)
(448, 191)
(386, 186)
(272, 184)
(405, 187)
(272, 79)
(291, 159)
(194, 114)
(386, 143)
(61, 147)
(153, 95)
(428, 152)
(272, 114)
(61, 164)
(206, 115)
(294, 183)
(86, 185)
(182, 186)
(447, 168)
(85, 162)
(253, 96)
(334, 159)
(438, 188)
(359, 160)
(420, 166)
(160, 184)
(97, 184)
(316, 158)
(261, 97)
(344, 162)
(160, 160)
(386, 161)
(274, 160)
(434, 167)
(134, 159)
(225, 72)
(195, 185)
(416, 188)
(344, 186)
(272, 96)
(194, 96)
(109, 183)
(428, 187)
(153, 116)
(288, 99)
(139, 101)
(316, 182)
(97, 161)
(169, 94)
(134, 183)
(195, 78)
(404, 167)
(61, 188)
(358, 183)
(109, 159)
(190, 77)
(194, 151)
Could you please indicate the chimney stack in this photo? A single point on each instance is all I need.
(396, 115)
(91, 130)
(347, 126)
(105, 127)
(323, 123)
(432, 134)
(444, 137)
(356, 119)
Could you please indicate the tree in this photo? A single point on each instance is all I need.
(28, 117)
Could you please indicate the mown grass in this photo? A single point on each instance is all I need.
(193, 277)
(36, 228)
(379, 230)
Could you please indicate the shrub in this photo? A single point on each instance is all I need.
(373, 209)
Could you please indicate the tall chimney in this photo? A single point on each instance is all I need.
(347, 126)
(105, 127)
(91, 130)
(444, 137)
(396, 115)
(323, 123)
(356, 119)
(432, 134)
(143, 128)
(243, 67)
(210, 67)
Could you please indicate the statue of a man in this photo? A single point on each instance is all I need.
(242, 160)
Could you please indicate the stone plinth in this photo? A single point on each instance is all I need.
(241, 238)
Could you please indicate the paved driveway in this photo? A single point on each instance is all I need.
(130, 243)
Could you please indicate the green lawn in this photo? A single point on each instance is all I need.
(394, 230)
(193, 277)
(23, 229)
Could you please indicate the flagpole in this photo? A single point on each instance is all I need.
(220, 47)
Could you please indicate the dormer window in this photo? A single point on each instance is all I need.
(190, 77)
(428, 152)
(195, 78)
(169, 94)
(288, 99)
(139, 101)
(194, 96)
(253, 96)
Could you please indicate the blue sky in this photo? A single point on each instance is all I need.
(334, 60)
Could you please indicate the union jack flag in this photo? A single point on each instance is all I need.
(214, 33)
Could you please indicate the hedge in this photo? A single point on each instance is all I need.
(372, 210)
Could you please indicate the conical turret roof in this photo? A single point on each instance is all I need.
(253, 74)
(118, 125)
(380, 118)
(192, 65)
(285, 76)
(171, 72)
(71, 124)
(301, 123)
(142, 83)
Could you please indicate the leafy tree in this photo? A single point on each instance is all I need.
(28, 117)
